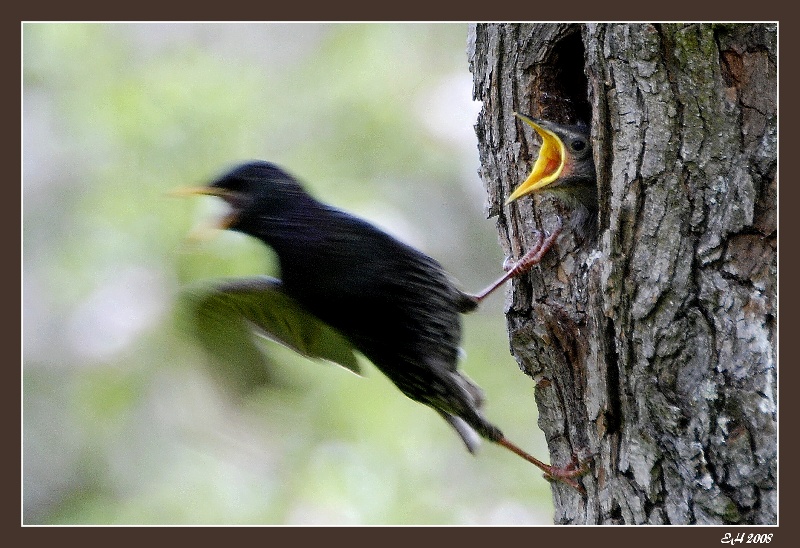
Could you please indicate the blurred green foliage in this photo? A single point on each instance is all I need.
(122, 422)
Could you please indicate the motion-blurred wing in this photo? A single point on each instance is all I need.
(227, 313)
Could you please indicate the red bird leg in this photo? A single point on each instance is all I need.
(565, 474)
(532, 257)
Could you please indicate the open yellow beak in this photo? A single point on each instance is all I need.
(224, 222)
(198, 191)
(549, 164)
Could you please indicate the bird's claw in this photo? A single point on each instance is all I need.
(535, 254)
(523, 265)
(568, 474)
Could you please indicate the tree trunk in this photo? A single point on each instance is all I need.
(653, 349)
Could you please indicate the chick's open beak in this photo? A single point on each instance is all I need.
(550, 163)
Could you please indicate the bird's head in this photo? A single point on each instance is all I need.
(254, 191)
(565, 165)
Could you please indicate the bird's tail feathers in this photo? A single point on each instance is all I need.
(468, 434)
(468, 420)
(468, 386)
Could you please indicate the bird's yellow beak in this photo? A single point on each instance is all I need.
(223, 223)
(198, 191)
(549, 164)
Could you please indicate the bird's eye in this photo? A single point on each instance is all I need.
(578, 144)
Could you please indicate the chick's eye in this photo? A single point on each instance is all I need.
(577, 144)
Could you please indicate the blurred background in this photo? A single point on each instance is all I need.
(123, 422)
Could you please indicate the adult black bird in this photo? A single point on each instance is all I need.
(565, 169)
(363, 290)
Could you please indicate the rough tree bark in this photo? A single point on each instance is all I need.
(654, 350)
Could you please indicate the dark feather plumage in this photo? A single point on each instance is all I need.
(345, 285)
(395, 304)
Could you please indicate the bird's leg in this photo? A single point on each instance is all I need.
(532, 257)
(566, 474)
